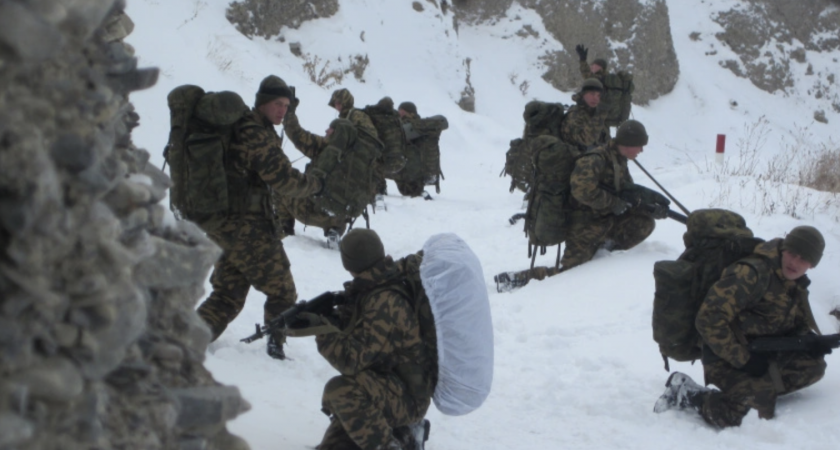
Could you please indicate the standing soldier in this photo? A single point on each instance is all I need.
(423, 162)
(598, 217)
(585, 124)
(256, 169)
(385, 382)
(765, 294)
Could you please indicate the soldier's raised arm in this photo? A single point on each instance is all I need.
(265, 157)
(308, 143)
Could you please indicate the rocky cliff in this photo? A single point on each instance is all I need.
(100, 346)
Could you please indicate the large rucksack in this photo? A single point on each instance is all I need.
(347, 171)
(715, 239)
(201, 130)
(541, 119)
(545, 218)
(386, 120)
(423, 151)
(445, 283)
(617, 98)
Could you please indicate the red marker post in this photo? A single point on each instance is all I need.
(719, 149)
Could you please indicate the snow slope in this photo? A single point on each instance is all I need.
(576, 367)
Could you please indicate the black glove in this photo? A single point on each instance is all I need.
(757, 365)
(620, 208)
(581, 51)
(659, 211)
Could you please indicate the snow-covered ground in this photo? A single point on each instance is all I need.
(576, 367)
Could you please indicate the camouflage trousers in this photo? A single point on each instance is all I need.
(365, 409)
(306, 212)
(739, 391)
(252, 255)
(587, 233)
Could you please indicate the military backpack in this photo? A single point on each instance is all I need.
(548, 197)
(423, 151)
(541, 119)
(617, 97)
(715, 239)
(386, 120)
(202, 125)
(346, 168)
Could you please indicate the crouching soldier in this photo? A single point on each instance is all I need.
(763, 295)
(385, 383)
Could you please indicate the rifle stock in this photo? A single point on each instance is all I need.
(319, 305)
(794, 343)
(649, 207)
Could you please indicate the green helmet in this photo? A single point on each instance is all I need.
(631, 133)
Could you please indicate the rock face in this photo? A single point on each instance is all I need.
(778, 39)
(100, 346)
(639, 31)
(265, 18)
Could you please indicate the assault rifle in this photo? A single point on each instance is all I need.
(321, 305)
(647, 199)
(803, 343)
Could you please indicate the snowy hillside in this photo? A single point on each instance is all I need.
(576, 367)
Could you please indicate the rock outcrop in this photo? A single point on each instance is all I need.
(265, 18)
(100, 346)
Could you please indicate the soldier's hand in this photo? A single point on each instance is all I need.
(620, 207)
(659, 212)
(581, 51)
(293, 105)
(757, 365)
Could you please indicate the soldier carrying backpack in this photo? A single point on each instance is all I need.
(396, 335)
(762, 294)
(617, 98)
(422, 152)
(227, 163)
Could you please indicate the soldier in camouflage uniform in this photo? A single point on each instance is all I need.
(598, 218)
(598, 68)
(585, 124)
(423, 163)
(765, 294)
(384, 383)
(342, 100)
(304, 209)
(253, 252)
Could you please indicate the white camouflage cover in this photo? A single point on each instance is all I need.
(454, 282)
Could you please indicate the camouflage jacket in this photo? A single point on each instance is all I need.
(361, 120)
(257, 154)
(586, 72)
(602, 165)
(310, 144)
(584, 126)
(752, 299)
(380, 328)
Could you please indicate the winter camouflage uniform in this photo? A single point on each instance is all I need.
(362, 121)
(754, 299)
(584, 126)
(380, 338)
(304, 209)
(253, 252)
(592, 224)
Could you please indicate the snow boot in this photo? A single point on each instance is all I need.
(332, 239)
(275, 348)
(680, 392)
(509, 281)
(413, 436)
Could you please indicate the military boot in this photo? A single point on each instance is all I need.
(413, 436)
(509, 281)
(681, 392)
(275, 347)
(379, 203)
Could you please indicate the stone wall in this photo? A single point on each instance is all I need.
(100, 346)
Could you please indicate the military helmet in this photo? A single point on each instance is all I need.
(271, 88)
(342, 96)
(631, 133)
(360, 249)
(591, 84)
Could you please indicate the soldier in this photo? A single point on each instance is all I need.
(385, 383)
(423, 161)
(253, 252)
(342, 100)
(584, 125)
(765, 294)
(597, 218)
(598, 68)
